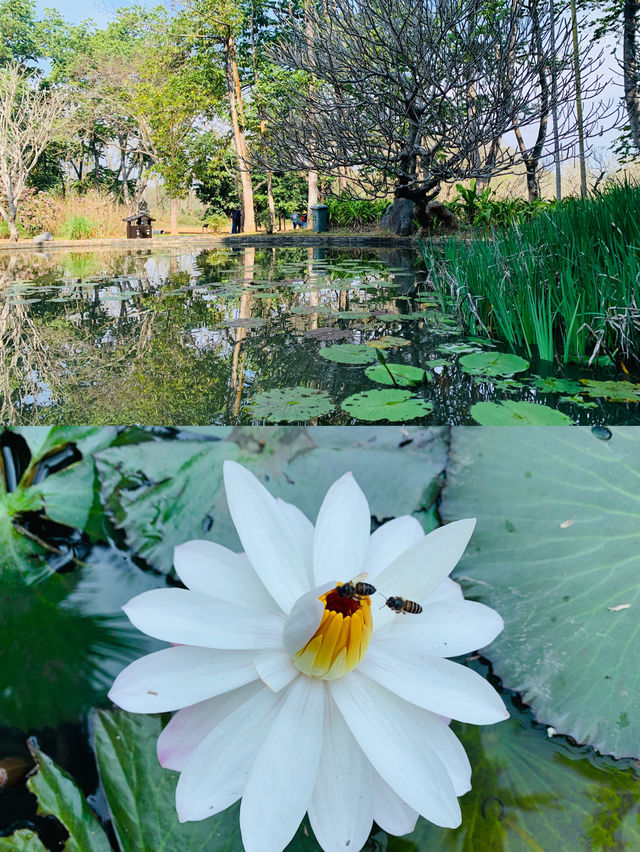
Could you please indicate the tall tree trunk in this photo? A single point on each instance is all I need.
(631, 68)
(576, 62)
(312, 194)
(175, 205)
(11, 214)
(234, 93)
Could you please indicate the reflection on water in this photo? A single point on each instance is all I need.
(190, 336)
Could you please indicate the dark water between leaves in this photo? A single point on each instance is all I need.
(254, 334)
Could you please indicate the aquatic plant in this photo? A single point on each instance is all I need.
(566, 283)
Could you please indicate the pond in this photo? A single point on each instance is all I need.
(64, 638)
(257, 333)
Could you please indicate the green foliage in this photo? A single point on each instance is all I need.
(77, 228)
(511, 413)
(562, 282)
(356, 213)
(555, 552)
(482, 209)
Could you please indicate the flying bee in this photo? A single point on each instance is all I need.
(356, 589)
(401, 605)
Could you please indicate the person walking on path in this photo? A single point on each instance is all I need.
(303, 220)
(236, 217)
(295, 220)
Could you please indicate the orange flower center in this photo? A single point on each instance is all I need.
(341, 640)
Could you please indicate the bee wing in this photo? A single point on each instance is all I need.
(359, 578)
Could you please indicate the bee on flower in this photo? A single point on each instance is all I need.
(298, 698)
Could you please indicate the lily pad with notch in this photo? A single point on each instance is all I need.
(290, 405)
(611, 391)
(493, 364)
(393, 405)
(405, 375)
(512, 413)
(349, 353)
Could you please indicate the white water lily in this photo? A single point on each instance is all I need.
(295, 699)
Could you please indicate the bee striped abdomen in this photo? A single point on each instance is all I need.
(402, 605)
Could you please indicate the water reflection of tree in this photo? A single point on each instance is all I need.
(29, 370)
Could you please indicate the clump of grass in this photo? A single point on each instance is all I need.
(347, 212)
(566, 282)
(77, 228)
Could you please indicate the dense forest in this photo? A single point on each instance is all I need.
(266, 107)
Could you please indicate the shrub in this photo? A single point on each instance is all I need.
(218, 222)
(77, 228)
(346, 212)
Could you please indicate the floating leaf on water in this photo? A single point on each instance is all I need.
(612, 391)
(578, 400)
(493, 364)
(404, 374)
(245, 322)
(328, 333)
(483, 341)
(387, 342)
(438, 362)
(511, 413)
(457, 348)
(393, 405)
(571, 659)
(290, 405)
(303, 310)
(352, 314)
(349, 353)
(551, 385)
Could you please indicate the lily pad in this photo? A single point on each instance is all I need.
(438, 362)
(579, 401)
(493, 364)
(290, 405)
(551, 385)
(141, 794)
(328, 333)
(245, 322)
(457, 348)
(404, 374)
(387, 342)
(611, 391)
(349, 353)
(555, 551)
(352, 314)
(511, 413)
(393, 405)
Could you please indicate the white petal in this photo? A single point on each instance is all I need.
(342, 532)
(389, 541)
(341, 807)
(215, 775)
(443, 629)
(441, 686)
(271, 544)
(209, 568)
(283, 776)
(275, 669)
(401, 741)
(448, 590)
(190, 726)
(190, 618)
(419, 571)
(177, 677)
(304, 619)
(302, 528)
(389, 811)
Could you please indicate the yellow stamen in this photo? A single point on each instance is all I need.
(342, 639)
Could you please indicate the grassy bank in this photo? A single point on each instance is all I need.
(566, 283)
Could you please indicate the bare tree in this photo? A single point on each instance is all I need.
(30, 119)
(411, 93)
(631, 67)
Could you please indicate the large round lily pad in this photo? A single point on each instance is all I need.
(612, 391)
(393, 405)
(493, 364)
(555, 551)
(291, 405)
(511, 413)
(405, 375)
(387, 342)
(349, 353)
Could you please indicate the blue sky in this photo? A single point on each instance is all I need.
(101, 11)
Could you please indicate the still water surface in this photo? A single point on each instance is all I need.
(192, 335)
